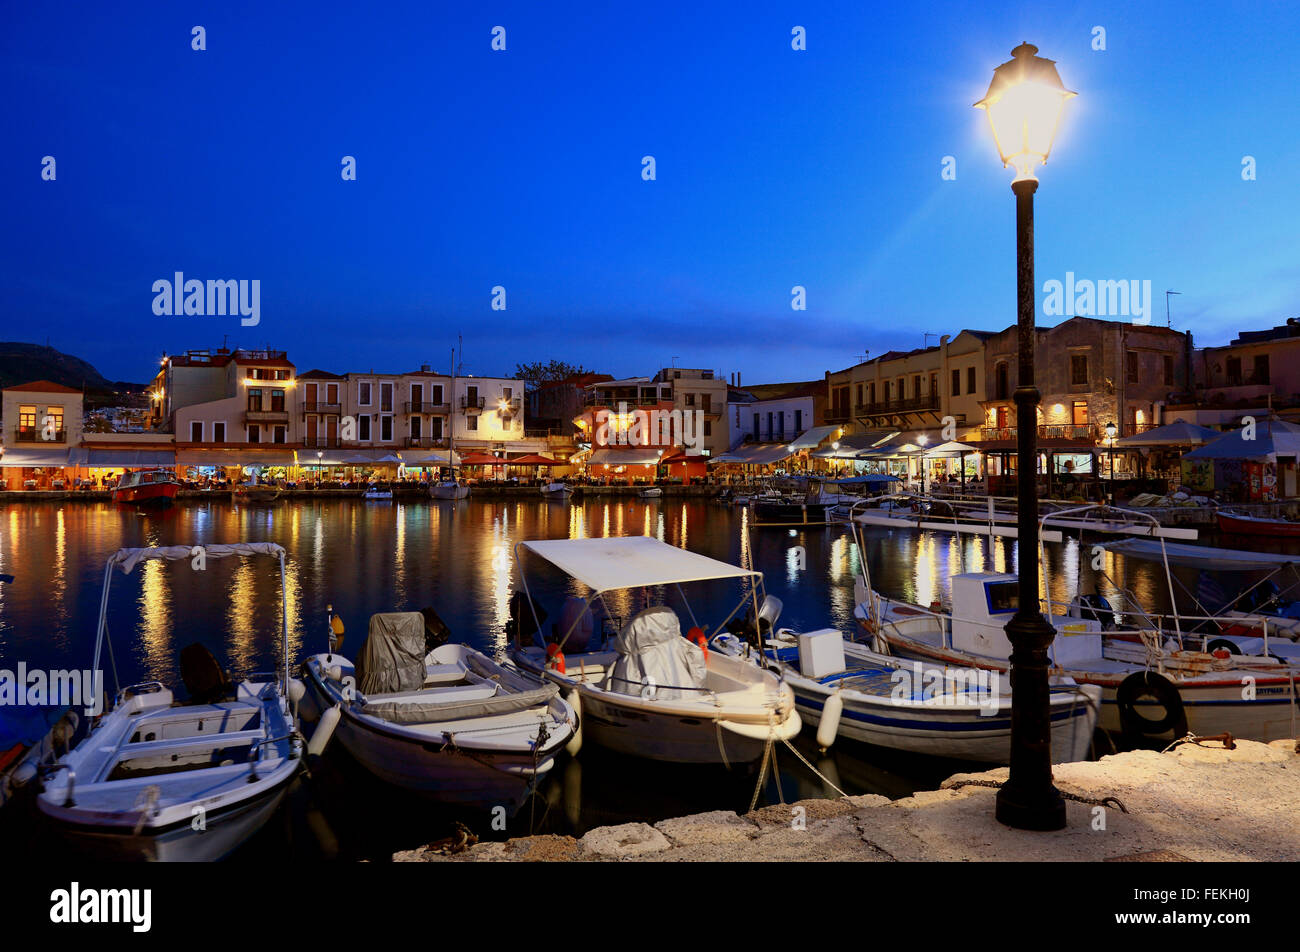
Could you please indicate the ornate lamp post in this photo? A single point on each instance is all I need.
(1024, 105)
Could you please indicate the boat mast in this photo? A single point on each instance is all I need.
(451, 422)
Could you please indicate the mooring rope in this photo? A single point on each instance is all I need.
(997, 784)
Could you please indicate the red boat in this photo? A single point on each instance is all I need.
(146, 487)
(1254, 525)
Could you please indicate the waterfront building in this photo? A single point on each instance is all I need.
(1090, 373)
(42, 422)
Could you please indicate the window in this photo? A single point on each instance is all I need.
(860, 394)
(1080, 413)
(312, 427)
(471, 396)
(435, 393)
(934, 385)
(1079, 370)
(770, 416)
(690, 399)
(970, 379)
(471, 423)
(309, 395)
(54, 418)
(26, 419)
(505, 394)
(218, 433)
(277, 401)
(416, 427)
(435, 428)
(1169, 370)
(254, 433)
(363, 393)
(708, 427)
(888, 390)
(255, 399)
(754, 433)
(706, 402)
(279, 433)
(1131, 366)
(1001, 387)
(780, 424)
(1234, 371)
(386, 428)
(332, 393)
(1261, 373)
(386, 397)
(871, 392)
(798, 422)
(956, 383)
(196, 431)
(363, 428)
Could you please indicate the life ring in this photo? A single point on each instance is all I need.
(555, 657)
(1142, 684)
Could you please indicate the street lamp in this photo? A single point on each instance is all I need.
(1024, 105)
(1111, 431)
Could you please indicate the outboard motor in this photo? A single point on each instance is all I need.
(436, 632)
(1094, 607)
(204, 678)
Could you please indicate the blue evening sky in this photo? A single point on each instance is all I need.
(523, 169)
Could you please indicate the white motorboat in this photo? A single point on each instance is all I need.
(1157, 678)
(448, 722)
(652, 492)
(852, 692)
(647, 691)
(557, 490)
(159, 780)
(374, 494)
(448, 489)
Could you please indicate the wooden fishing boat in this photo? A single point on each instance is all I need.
(645, 690)
(146, 487)
(1240, 524)
(159, 780)
(449, 722)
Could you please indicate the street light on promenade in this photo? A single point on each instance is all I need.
(1024, 105)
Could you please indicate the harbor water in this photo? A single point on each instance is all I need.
(460, 559)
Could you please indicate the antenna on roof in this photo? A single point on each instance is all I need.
(1168, 322)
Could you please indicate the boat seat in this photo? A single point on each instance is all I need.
(176, 745)
(443, 674)
(436, 695)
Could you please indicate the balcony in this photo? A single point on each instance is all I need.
(612, 401)
(927, 401)
(510, 408)
(412, 406)
(836, 415)
(37, 435)
(1076, 432)
(322, 442)
(306, 408)
(467, 404)
(266, 416)
(426, 442)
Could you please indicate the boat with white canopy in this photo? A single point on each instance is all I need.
(160, 780)
(641, 688)
(444, 720)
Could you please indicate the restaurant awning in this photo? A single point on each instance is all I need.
(1268, 440)
(950, 450)
(533, 459)
(755, 454)
(625, 456)
(478, 458)
(35, 456)
(431, 458)
(235, 456)
(812, 438)
(1179, 433)
(106, 456)
(850, 446)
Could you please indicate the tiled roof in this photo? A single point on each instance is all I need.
(43, 386)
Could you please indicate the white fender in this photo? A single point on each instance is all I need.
(324, 730)
(575, 742)
(829, 725)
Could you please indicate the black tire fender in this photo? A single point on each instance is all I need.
(1150, 684)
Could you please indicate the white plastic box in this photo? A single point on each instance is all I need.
(821, 653)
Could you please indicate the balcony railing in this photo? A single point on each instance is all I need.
(1046, 431)
(413, 406)
(320, 408)
(322, 442)
(266, 416)
(427, 442)
(602, 400)
(37, 435)
(467, 404)
(837, 415)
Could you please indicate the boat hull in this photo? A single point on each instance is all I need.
(1239, 525)
(148, 494)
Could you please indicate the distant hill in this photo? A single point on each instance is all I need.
(20, 363)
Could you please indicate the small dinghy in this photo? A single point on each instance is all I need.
(448, 722)
(376, 494)
(557, 490)
(849, 691)
(448, 489)
(159, 780)
(647, 691)
(654, 492)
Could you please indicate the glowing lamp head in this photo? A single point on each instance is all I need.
(1111, 431)
(1024, 105)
